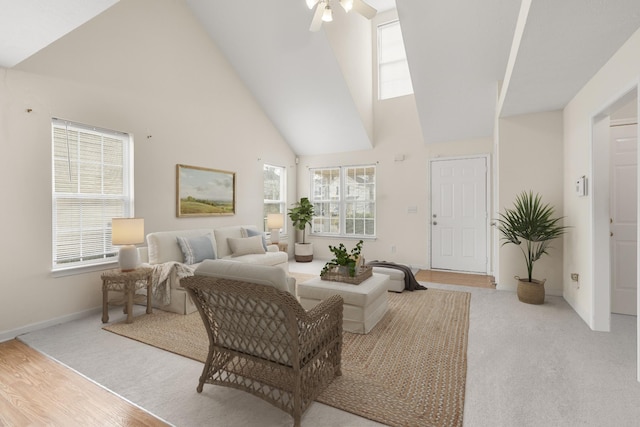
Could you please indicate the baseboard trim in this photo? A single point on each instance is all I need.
(11, 334)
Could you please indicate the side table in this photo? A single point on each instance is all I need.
(283, 246)
(127, 282)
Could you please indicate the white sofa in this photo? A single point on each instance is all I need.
(163, 250)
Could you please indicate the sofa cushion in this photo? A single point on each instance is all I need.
(223, 233)
(252, 273)
(245, 246)
(163, 245)
(268, 258)
(250, 232)
(197, 249)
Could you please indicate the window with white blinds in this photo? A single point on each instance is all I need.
(92, 183)
(394, 78)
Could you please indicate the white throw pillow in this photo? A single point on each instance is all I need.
(245, 246)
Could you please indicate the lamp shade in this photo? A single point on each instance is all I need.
(127, 231)
(275, 220)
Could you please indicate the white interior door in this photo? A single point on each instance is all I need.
(459, 225)
(623, 208)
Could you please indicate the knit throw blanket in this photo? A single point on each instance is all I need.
(168, 275)
(410, 282)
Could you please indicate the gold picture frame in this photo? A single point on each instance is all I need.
(204, 192)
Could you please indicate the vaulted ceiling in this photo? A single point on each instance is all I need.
(469, 60)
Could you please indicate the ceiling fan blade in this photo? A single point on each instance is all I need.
(311, 3)
(364, 9)
(316, 22)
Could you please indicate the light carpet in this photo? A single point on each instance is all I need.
(410, 370)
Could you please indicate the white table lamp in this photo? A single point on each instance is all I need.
(127, 232)
(275, 221)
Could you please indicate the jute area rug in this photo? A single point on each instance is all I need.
(410, 370)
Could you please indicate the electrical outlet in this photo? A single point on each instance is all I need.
(575, 277)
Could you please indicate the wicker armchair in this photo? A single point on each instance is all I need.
(262, 341)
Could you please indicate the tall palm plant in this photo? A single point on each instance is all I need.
(530, 222)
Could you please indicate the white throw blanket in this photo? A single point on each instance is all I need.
(163, 279)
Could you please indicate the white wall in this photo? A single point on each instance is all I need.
(143, 67)
(400, 184)
(531, 158)
(618, 76)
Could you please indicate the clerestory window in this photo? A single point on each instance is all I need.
(394, 79)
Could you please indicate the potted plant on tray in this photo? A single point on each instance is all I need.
(346, 262)
(531, 226)
(301, 215)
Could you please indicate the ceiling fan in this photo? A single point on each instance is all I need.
(324, 13)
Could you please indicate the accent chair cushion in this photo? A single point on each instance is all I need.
(252, 273)
(246, 245)
(197, 249)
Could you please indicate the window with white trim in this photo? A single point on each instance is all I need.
(394, 78)
(344, 200)
(275, 193)
(92, 183)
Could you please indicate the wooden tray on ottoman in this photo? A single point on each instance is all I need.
(362, 274)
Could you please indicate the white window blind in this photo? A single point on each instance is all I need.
(394, 78)
(275, 192)
(344, 200)
(92, 183)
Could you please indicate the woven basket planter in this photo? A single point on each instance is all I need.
(303, 252)
(531, 292)
(362, 274)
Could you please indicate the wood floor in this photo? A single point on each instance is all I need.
(35, 390)
(451, 278)
(434, 276)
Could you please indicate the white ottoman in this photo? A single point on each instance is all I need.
(396, 278)
(364, 304)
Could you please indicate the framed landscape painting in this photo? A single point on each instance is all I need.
(205, 192)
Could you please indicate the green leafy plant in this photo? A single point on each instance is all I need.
(301, 215)
(344, 258)
(531, 226)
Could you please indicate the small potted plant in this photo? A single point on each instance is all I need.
(344, 261)
(301, 215)
(531, 226)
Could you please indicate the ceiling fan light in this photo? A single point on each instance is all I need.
(311, 3)
(327, 15)
(347, 5)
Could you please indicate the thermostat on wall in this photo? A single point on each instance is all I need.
(581, 186)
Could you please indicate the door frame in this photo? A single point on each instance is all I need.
(617, 123)
(488, 193)
(601, 253)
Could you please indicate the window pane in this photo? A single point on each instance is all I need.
(274, 180)
(351, 212)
